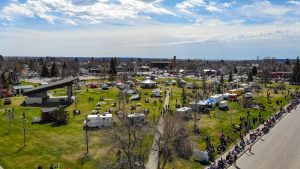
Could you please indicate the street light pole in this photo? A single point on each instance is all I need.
(231, 117)
(24, 129)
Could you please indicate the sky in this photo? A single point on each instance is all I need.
(194, 29)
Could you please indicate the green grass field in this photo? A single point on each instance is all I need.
(212, 125)
(65, 145)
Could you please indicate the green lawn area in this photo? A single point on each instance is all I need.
(46, 144)
(65, 145)
(212, 126)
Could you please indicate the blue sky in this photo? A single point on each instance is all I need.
(217, 29)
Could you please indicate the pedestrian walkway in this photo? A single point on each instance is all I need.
(153, 157)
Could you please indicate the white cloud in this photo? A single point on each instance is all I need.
(228, 4)
(185, 6)
(93, 11)
(212, 8)
(12, 10)
(263, 9)
(294, 2)
(211, 33)
(155, 41)
(70, 22)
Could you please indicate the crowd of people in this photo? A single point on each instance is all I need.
(245, 144)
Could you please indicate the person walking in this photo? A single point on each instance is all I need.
(250, 148)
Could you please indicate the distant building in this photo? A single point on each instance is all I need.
(163, 64)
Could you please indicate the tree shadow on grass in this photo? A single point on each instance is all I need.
(20, 149)
(84, 158)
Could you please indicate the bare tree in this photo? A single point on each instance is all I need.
(172, 141)
(127, 138)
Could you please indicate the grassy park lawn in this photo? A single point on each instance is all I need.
(212, 125)
(46, 144)
(65, 145)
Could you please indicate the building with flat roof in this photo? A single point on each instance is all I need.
(163, 64)
(38, 95)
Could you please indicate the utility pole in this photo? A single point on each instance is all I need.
(87, 140)
(10, 117)
(24, 129)
(231, 117)
(86, 137)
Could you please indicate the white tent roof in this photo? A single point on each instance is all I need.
(148, 81)
(202, 102)
(183, 109)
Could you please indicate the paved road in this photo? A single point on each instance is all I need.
(153, 157)
(280, 149)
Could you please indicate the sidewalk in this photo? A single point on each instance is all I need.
(153, 157)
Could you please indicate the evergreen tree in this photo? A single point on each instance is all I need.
(250, 77)
(254, 71)
(64, 71)
(1, 62)
(219, 88)
(54, 70)
(112, 70)
(76, 66)
(242, 79)
(230, 79)
(3, 81)
(222, 79)
(287, 61)
(183, 96)
(296, 72)
(235, 70)
(45, 71)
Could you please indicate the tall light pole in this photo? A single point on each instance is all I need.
(24, 129)
(231, 117)
(87, 140)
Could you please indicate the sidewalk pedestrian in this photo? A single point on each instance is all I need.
(250, 148)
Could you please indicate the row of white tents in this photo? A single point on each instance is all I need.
(106, 120)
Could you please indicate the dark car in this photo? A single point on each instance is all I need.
(7, 101)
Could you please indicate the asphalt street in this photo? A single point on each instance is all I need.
(279, 149)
